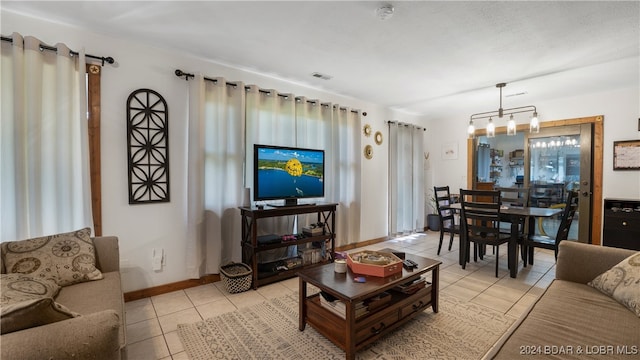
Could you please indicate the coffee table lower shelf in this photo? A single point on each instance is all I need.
(371, 326)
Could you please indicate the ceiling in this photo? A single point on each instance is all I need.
(429, 57)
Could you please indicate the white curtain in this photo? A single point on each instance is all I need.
(406, 179)
(270, 120)
(297, 121)
(225, 121)
(344, 164)
(44, 149)
(215, 174)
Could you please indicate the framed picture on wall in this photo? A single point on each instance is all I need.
(626, 155)
(450, 151)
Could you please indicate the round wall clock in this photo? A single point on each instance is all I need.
(368, 151)
(378, 137)
(367, 130)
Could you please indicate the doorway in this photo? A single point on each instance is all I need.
(559, 160)
(572, 165)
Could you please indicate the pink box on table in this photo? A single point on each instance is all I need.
(374, 263)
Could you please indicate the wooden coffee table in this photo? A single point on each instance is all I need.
(353, 332)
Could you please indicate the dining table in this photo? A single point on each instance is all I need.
(514, 215)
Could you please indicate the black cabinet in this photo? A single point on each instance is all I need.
(621, 223)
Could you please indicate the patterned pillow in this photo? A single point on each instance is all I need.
(27, 302)
(66, 258)
(622, 282)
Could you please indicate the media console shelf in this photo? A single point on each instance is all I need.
(251, 247)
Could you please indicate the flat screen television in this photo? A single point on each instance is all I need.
(287, 173)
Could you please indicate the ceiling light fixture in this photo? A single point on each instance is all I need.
(511, 126)
(491, 129)
(534, 125)
(384, 12)
(471, 129)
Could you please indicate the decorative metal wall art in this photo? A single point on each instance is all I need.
(148, 147)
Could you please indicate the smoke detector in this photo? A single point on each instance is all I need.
(384, 12)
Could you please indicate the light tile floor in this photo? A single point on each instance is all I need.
(152, 322)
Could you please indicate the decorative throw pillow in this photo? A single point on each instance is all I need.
(622, 282)
(66, 258)
(27, 302)
(19, 287)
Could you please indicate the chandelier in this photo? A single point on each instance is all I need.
(534, 124)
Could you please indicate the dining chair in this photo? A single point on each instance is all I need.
(545, 195)
(551, 242)
(515, 197)
(442, 197)
(480, 221)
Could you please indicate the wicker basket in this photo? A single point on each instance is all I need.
(236, 277)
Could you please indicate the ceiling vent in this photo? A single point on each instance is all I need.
(321, 76)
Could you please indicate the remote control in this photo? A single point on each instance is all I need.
(409, 264)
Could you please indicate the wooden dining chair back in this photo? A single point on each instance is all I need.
(514, 197)
(480, 221)
(545, 195)
(442, 197)
(549, 242)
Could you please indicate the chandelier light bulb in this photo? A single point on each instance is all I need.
(491, 129)
(511, 126)
(534, 125)
(471, 130)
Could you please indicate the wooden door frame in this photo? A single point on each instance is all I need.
(597, 163)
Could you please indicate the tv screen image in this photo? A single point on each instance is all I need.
(288, 173)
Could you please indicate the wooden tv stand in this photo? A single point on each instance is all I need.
(352, 333)
(251, 246)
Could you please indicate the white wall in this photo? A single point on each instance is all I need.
(142, 228)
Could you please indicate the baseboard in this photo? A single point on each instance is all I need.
(362, 243)
(208, 279)
(167, 288)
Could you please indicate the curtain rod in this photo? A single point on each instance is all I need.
(104, 59)
(180, 73)
(405, 124)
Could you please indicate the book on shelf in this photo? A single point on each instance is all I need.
(340, 308)
(378, 301)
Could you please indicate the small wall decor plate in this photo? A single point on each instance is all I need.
(368, 151)
(367, 130)
(148, 147)
(378, 137)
